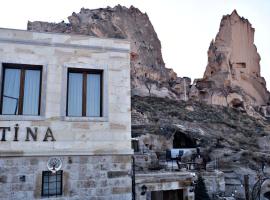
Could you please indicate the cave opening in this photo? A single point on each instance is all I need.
(267, 195)
(181, 140)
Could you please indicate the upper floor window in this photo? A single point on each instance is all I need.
(21, 89)
(84, 96)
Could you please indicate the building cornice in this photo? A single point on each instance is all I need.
(63, 45)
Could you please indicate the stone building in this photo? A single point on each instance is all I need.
(66, 97)
(165, 185)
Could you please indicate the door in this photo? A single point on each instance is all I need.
(167, 195)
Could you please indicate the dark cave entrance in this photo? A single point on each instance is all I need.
(180, 140)
(267, 195)
(167, 195)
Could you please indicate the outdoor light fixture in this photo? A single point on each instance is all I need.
(192, 186)
(22, 178)
(144, 189)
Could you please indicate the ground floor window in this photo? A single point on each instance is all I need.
(52, 183)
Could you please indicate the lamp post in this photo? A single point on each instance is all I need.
(133, 179)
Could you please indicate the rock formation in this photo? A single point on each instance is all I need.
(148, 73)
(232, 76)
(230, 140)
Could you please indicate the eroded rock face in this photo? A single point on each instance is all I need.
(230, 140)
(149, 76)
(232, 76)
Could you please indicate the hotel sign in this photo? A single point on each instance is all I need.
(31, 134)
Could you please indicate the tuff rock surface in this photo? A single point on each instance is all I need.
(230, 140)
(149, 76)
(232, 76)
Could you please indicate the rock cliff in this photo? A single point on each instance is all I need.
(149, 76)
(232, 76)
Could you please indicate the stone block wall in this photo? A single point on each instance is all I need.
(84, 177)
(214, 182)
(95, 151)
(56, 53)
(164, 181)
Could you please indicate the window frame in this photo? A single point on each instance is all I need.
(85, 72)
(22, 68)
(49, 173)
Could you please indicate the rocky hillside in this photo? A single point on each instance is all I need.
(232, 76)
(230, 140)
(149, 76)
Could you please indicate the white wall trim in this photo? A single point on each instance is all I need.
(63, 45)
(62, 153)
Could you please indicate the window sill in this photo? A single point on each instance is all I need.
(21, 118)
(85, 119)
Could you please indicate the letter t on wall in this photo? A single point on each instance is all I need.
(4, 132)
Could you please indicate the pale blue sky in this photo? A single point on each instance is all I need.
(185, 27)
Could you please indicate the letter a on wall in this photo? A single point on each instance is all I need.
(49, 134)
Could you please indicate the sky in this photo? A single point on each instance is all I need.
(184, 27)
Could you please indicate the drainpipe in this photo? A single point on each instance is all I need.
(133, 179)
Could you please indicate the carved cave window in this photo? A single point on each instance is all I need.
(21, 89)
(84, 93)
(52, 183)
(240, 65)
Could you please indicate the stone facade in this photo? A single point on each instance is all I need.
(84, 177)
(95, 151)
(164, 181)
(56, 53)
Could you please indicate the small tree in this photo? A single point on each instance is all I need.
(200, 190)
(148, 84)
